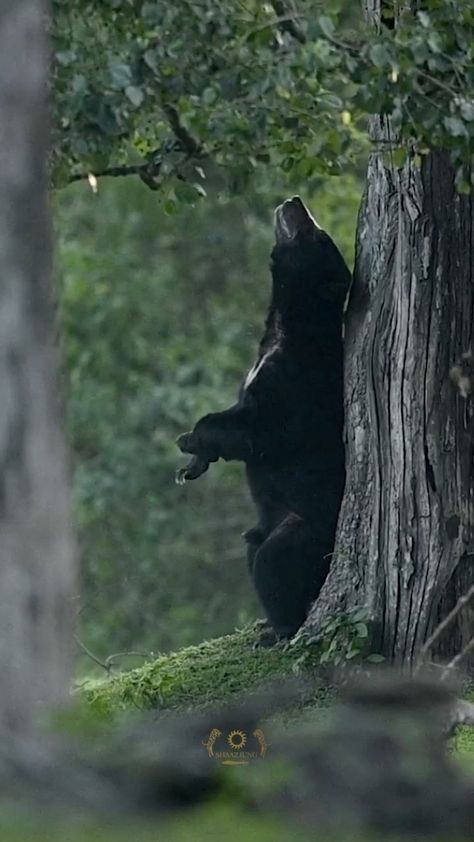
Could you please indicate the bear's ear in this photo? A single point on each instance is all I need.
(293, 218)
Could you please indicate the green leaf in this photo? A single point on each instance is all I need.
(79, 83)
(434, 42)
(379, 55)
(151, 60)
(362, 630)
(209, 96)
(424, 19)
(185, 192)
(282, 92)
(359, 615)
(65, 57)
(438, 63)
(326, 26)
(466, 106)
(120, 74)
(455, 126)
(135, 95)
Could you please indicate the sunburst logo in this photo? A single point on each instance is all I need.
(244, 748)
(237, 739)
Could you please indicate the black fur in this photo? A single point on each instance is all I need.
(287, 423)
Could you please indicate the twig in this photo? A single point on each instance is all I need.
(111, 658)
(469, 647)
(108, 664)
(280, 23)
(150, 171)
(439, 630)
(437, 82)
(188, 143)
(91, 655)
(286, 22)
(147, 172)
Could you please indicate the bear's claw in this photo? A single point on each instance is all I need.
(197, 466)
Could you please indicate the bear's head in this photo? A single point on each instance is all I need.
(306, 264)
(293, 220)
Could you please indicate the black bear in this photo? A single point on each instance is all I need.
(287, 423)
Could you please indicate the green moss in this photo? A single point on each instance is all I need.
(197, 676)
(463, 744)
(215, 671)
(463, 741)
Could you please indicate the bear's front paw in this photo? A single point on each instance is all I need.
(187, 443)
(192, 470)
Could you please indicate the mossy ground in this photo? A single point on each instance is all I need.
(211, 673)
(463, 742)
(214, 672)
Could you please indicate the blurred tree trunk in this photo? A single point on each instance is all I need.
(405, 544)
(37, 562)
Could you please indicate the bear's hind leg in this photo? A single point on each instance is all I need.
(254, 539)
(289, 570)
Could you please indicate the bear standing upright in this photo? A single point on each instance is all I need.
(287, 423)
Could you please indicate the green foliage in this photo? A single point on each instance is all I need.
(343, 638)
(198, 676)
(160, 318)
(234, 84)
(463, 740)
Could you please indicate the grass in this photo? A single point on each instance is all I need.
(198, 676)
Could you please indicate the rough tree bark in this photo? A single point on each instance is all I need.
(405, 544)
(37, 570)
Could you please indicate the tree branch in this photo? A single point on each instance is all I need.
(467, 649)
(462, 602)
(150, 171)
(90, 654)
(109, 662)
(287, 22)
(147, 172)
(188, 143)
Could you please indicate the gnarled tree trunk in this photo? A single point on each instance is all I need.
(405, 545)
(36, 557)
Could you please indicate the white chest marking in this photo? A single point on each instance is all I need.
(255, 369)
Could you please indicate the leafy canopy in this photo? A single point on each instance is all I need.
(244, 83)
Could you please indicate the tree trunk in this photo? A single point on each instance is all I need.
(37, 570)
(405, 544)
